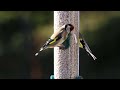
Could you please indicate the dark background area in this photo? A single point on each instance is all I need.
(22, 33)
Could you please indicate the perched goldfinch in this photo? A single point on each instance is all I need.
(84, 45)
(58, 38)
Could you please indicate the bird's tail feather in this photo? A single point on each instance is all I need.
(90, 53)
(41, 49)
(93, 56)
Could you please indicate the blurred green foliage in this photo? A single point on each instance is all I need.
(22, 33)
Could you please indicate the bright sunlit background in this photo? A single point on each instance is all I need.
(22, 33)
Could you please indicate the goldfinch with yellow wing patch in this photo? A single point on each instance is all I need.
(84, 45)
(57, 38)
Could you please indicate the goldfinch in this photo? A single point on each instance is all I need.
(84, 45)
(57, 38)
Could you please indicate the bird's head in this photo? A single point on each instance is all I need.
(69, 27)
